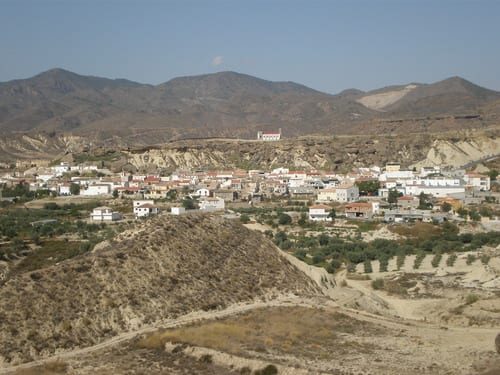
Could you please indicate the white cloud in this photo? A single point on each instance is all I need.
(218, 60)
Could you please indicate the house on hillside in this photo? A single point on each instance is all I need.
(327, 195)
(267, 135)
(97, 189)
(104, 214)
(359, 210)
(407, 202)
(347, 191)
(178, 210)
(65, 189)
(144, 208)
(320, 212)
(227, 195)
(212, 204)
(202, 192)
(477, 181)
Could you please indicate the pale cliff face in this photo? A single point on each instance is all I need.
(340, 153)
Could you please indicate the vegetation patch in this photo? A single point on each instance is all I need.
(54, 367)
(331, 251)
(298, 331)
(50, 252)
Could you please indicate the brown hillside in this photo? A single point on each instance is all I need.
(229, 104)
(168, 267)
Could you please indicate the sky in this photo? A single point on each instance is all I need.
(327, 45)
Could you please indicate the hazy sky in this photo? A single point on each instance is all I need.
(327, 45)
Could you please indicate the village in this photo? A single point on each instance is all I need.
(390, 193)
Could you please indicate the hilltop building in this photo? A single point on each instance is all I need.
(269, 135)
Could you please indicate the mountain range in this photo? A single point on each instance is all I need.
(229, 104)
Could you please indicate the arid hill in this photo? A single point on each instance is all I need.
(454, 95)
(166, 268)
(233, 105)
(331, 153)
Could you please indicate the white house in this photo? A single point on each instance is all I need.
(63, 167)
(65, 189)
(436, 191)
(97, 189)
(178, 210)
(45, 177)
(104, 214)
(347, 192)
(203, 192)
(477, 181)
(138, 203)
(145, 208)
(327, 195)
(212, 204)
(388, 175)
(425, 171)
(320, 212)
(266, 135)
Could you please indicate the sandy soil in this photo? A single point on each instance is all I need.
(382, 100)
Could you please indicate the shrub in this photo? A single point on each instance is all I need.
(400, 260)
(206, 358)
(268, 370)
(384, 263)
(436, 260)
(394, 288)
(471, 298)
(284, 219)
(418, 260)
(378, 284)
(471, 258)
(452, 258)
(51, 206)
(269, 233)
(368, 266)
(351, 267)
(318, 258)
(57, 366)
(301, 254)
(485, 259)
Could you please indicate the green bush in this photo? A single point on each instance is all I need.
(284, 219)
(268, 370)
(383, 265)
(485, 259)
(400, 260)
(378, 284)
(471, 258)
(436, 260)
(368, 266)
(418, 260)
(471, 298)
(452, 258)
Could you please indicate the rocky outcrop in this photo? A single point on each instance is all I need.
(331, 153)
(445, 152)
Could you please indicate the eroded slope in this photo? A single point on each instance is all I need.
(168, 267)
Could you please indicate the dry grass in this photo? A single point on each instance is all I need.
(355, 276)
(420, 231)
(297, 331)
(50, 368)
